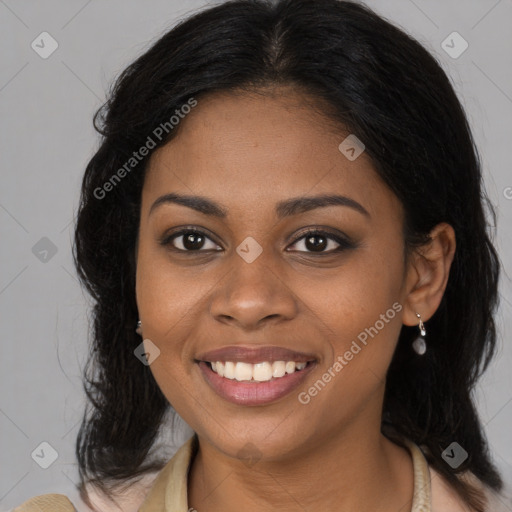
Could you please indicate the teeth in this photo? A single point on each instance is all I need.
(243, 371)
(278, 369)
(262, 372)
(229, 370)
(259, 372)
(290, 367)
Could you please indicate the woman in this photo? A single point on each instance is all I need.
(284, 235)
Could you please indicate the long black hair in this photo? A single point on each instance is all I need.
(380, 84)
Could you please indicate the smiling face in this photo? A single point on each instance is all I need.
(254, 287)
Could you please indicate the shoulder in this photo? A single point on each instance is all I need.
(129, 501)
(445, 498)
(135, 495)
(47, 503)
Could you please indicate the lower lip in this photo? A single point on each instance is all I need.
(254, 393)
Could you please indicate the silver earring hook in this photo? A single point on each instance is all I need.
(423, 331)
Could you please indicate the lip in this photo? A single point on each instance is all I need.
(241, 354)
(254, 393)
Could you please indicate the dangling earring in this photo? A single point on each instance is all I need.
(419, 345)
(138, 329)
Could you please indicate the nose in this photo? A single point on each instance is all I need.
(253, 294)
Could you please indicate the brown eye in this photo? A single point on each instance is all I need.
(316, 243)
(190, 240)
(319, 241)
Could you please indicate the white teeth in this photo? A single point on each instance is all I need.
(259, 372)
(229, 370)
(290, 367)
(243, 371)
(278, 368)
(262, 372)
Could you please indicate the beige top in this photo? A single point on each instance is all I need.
(167, 491)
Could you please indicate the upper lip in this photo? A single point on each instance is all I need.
(237, 353)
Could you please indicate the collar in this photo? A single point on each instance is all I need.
(169, 490)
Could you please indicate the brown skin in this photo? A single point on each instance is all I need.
(248, 152)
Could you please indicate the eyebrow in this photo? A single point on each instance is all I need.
(285, 208)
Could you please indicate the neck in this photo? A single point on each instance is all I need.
(358, 469)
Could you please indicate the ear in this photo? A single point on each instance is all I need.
(427, 274)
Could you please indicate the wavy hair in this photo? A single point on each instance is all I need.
(372, 79)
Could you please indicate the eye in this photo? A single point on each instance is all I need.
(189, 240)
(316, 241)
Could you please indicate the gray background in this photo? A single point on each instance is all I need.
(46, 108)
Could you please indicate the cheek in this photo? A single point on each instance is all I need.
(360, 309)
(170, 301)
(164, 294)
(163, 303)
(166, 302)
(360, 306)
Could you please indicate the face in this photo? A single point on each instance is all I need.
(306, 322)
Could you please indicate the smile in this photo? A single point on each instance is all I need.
(259, 372)
(254, 375)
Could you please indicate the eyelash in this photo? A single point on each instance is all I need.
(343, 243)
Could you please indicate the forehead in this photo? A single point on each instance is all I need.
(250, 149)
